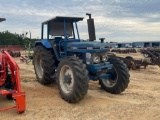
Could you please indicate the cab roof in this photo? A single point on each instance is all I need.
(62, 18)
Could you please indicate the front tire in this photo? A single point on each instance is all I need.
(44, 65)
(72, 79)
(120, 77)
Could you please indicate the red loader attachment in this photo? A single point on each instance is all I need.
(10, 82)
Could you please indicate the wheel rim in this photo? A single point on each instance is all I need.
(114, 77)
(39, 66)
(66, 79)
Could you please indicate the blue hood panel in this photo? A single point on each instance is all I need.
(87, 44)
(91, 46)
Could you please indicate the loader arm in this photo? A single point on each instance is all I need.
(8, 64)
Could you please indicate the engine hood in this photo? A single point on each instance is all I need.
(88, 46)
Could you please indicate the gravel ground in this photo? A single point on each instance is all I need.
(140, 101)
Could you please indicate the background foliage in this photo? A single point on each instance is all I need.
(8, 38)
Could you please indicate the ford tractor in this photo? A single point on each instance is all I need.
(65, 58)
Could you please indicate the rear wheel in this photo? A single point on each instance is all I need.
(119, 77)
(72, 79)
(44, 65)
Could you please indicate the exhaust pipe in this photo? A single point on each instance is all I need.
(91, 28)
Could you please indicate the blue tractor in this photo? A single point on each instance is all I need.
(71, 62)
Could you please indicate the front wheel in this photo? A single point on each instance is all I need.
(119, 77)
(72, 79)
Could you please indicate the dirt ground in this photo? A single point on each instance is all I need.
(140, 101)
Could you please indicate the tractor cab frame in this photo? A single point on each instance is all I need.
(60, 25)
(61, 29)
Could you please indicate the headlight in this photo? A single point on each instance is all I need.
(104, 58)
(96, 59)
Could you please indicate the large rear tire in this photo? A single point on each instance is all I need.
(44, 65)
(72, 79)
(120, 77)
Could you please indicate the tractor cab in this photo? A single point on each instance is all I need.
(62, 28)
(60, 31)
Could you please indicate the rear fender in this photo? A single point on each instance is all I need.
(44, 43)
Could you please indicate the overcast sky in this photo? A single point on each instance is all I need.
(116, 20)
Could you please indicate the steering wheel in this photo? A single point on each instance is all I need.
(65, 36)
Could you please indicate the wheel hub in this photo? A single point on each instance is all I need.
(113, 80)
(67, 79)
(39, 66)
